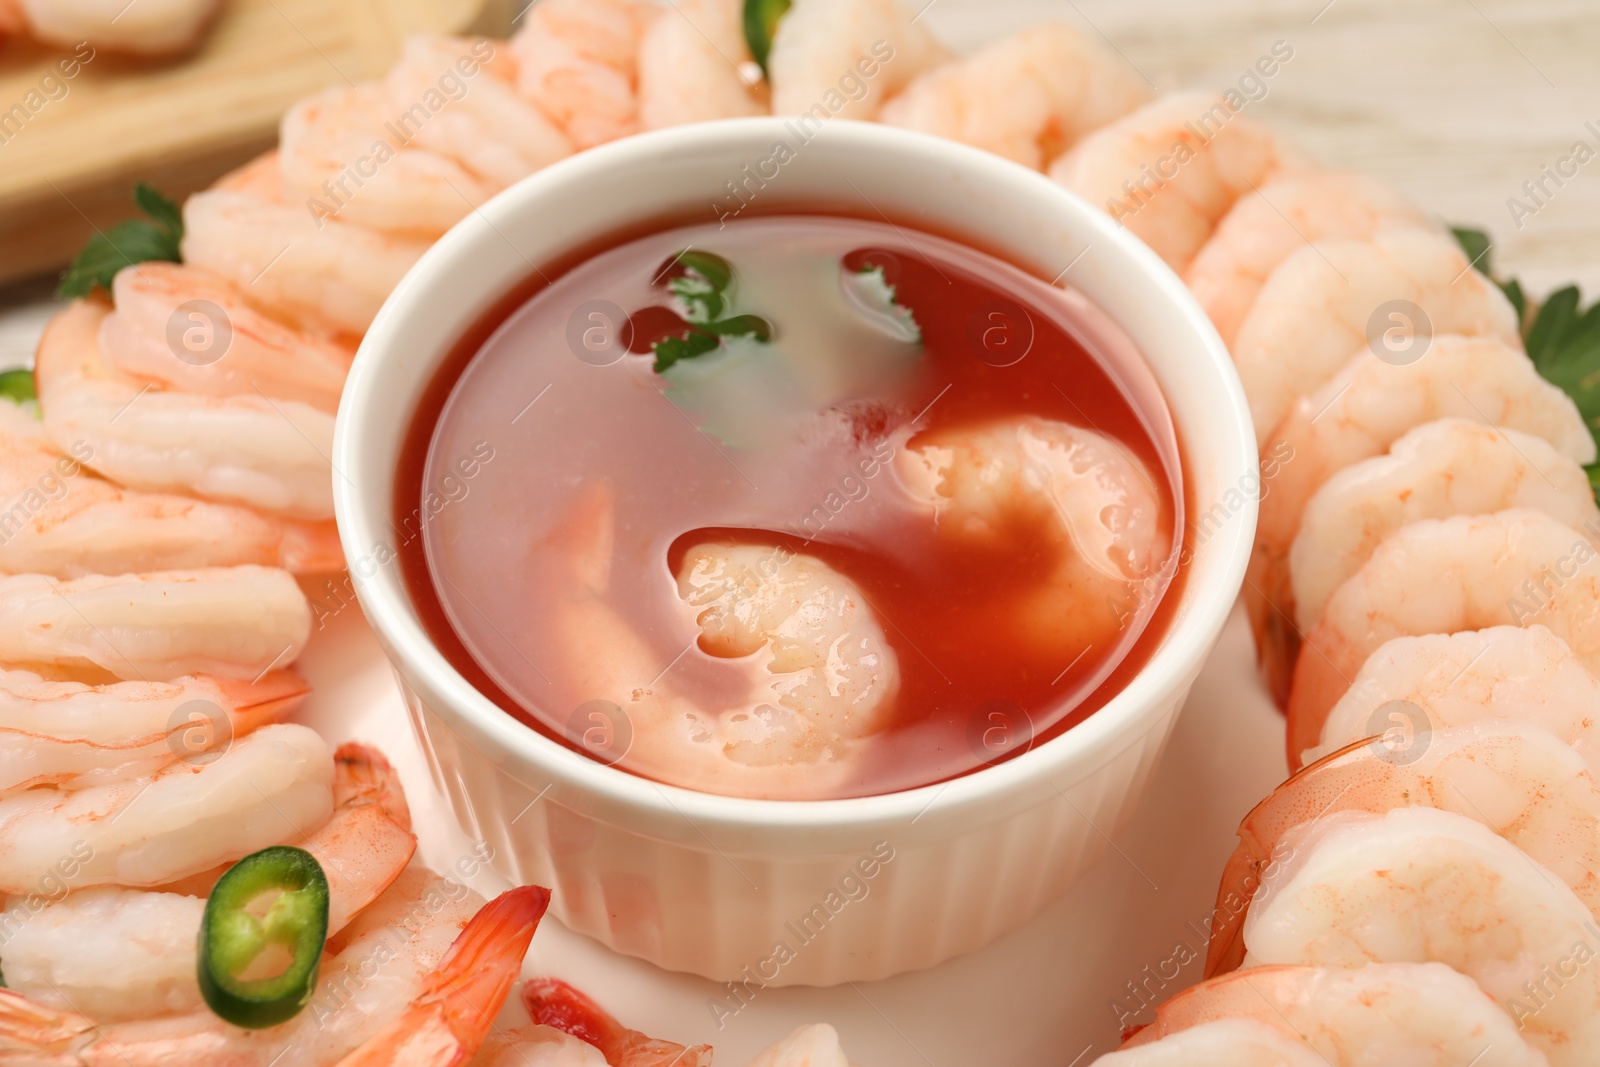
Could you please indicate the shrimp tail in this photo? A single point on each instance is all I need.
(451, 1017)
(268, 700)
(362, 776)
(552, 1002)
(38, 1035)
(311, 548)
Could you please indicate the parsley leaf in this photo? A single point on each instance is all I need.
(672, 349)
(1562, 339)
(17, 386)
(761, 18)
(128, 242)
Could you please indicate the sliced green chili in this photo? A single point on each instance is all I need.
(275, 899)
(761, 18)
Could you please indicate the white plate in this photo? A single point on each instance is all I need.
(1044, 995)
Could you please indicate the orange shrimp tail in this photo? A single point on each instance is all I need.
(28, 1026)
(448, 1022)
(552, 1002)
(362, 777)
(311, 548)
(268, 700)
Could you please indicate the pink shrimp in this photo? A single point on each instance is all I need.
(447, 1022)
(552, 1002)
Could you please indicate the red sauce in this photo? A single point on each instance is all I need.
(974, 686)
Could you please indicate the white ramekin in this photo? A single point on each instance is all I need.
(715, 885)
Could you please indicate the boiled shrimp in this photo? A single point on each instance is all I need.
(272, 785)
(58, 518)
(1444, 575)
(70, 734)
(271, 455)
(1502, 672)
(1027, 97)
(1223, 1043)
(817, 671)
(1332, 300)
(844, 58)
(1517, 778)
(370, 975)
(1098, 499)
(315, 271)
(553, 1003)
(1417, 884)
(496, 135)
(1269, 224)
(116, 953)
(1360, 413)
(1418, 1014)
(536, 1046)
(455, 1008)
(152, 27)
(1443, 468)
(1172, 169)
(236, 622)
(160, 331)
(690, 63)
(331, 140)
(577, 60)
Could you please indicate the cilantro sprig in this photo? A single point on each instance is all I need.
(1562, 338)
(128, 242)
(702, 289)
(17, 386)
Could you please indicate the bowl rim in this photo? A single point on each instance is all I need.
(1208, 597)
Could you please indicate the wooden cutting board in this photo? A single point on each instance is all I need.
(72, 147)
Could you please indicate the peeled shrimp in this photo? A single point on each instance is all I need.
(1444, 575)
(844, 58)
(1331, 300)
(1443, 468)
(1223, 1043)
(1416, 1014)
(237, 622)
(271, 786)
(553, 1003)
(689, 66)
(1026, 97)
(150, 27)
(1115, 529)
(59, 519)
(577, 60)
(1360, 413)
(116, 953)
(251, 450)
(537, 1046)
(383, 961)
(1502, 672)
(70, 734)
(1172, 169)
(1516, 778)
(457, 97)
(455, 1008)
(314, 271)
(1419, 884)
(338, 153)
(189, 328)
(1266, 226)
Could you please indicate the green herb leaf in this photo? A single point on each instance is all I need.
(128, 242)
(694, 343)
(742, 326)
(702, 301)
(1562, 340)
(17, 386)
(761, 18)
(717, 271)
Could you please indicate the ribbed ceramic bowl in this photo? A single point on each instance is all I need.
(794, 892)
